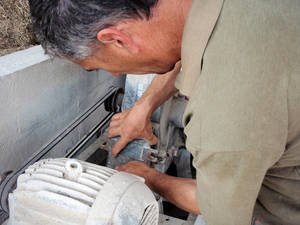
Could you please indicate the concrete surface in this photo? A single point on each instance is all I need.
(39, 97)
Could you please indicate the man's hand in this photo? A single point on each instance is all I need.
(179, 191)
(135, 122)
(131, 124)
(142, 170)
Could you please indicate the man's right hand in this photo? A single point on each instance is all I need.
(131, 124)
(135, 123)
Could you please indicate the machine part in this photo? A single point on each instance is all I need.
(99, 157)
(169, 131)
(84, 142)
(169, 116)
(53, 149)
(183, 163)
(3, 217)
(135, 86)
(137, 150)
(167, 220)
(133, 151)
(192, 220)
(64, 191)
(177, 110)
(4, 175)
(114, 102)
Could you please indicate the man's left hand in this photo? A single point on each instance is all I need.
(140, 169)
(179, 191)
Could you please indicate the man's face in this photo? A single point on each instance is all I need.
(131, 49)
(135, 47)
(118, 63)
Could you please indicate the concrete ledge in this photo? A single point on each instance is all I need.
(22, 59)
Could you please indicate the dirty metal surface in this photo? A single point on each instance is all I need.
(3, 217)
(168, 220)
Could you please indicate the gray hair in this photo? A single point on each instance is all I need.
(68, 28)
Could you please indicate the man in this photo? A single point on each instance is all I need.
(241, 71)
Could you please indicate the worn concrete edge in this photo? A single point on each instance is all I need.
(22, 59)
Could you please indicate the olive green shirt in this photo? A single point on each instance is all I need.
(241, 70)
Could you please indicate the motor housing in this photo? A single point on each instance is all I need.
(68, 191)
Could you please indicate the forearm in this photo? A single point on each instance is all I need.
(179, 191)
(161, 89)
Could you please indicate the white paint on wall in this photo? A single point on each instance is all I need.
(22, 59)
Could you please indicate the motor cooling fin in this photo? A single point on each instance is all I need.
(68, 191)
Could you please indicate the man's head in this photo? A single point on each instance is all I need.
(121, 36)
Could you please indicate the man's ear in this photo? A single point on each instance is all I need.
(118, 38)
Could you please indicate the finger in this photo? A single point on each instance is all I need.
(119, 168)
(178, 66)
(116, 116)
(122, 168)
(114, 123)
(113, 132)
(136, 163)
(119, 146)
(119, 115)
(152, 139)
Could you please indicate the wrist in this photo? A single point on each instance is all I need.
(152, 180)
(145, 107)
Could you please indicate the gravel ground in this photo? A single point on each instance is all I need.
(15, 28)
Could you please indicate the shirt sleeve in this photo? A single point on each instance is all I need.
(228, 184)
(236, 124)
(235, 138)
(236, 120)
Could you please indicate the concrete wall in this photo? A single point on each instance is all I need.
(39, 97)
